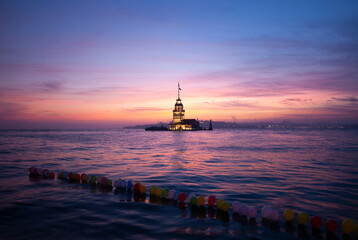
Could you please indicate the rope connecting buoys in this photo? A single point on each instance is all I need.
(197, 203)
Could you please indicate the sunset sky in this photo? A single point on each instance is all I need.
(117, 63)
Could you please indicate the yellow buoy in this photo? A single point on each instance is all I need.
(347, 226)
(225, 206)
(219, 203)
(153, 190)
(158, 191)
(288, 215)
(303, 218)
(201, 200)
(142, 189)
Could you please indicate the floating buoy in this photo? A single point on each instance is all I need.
(225, 206)
(142, 188)
(93, 179)
(103, 181)
(236, 206)
(158, 192)
(274, 215)
(171, 194)
(109, 183)
(211, 200)
(347, 226)
(244, 210)
(201, 200)
(303, 218)
(252, 212)
(129, 186)
(288, 214)
(74, 176)
(153, 190)
(331, 225)
(136, 187)
(176, 195)
(84, 177)
(193, 200)
(188, 199)
(52, 175)
(44, 172)
(117, 183)
(123, 184)
(182, 197)
(89, 176)
(165, 192)
(316, 222)
(61, 174)
(77, 177)
(219, 203)
(266, 212)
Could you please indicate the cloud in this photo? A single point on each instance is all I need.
(51, 86)
(351, 100)
(297, 101)
(323, 58)
(138, 110)
(11, 110)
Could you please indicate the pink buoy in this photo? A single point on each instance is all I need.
(104, 181)
(170, 194)
(252, 212)
(266, 212)
(236, 206)
(244, 210)
(274, 215)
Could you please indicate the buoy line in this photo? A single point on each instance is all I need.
(241, 212)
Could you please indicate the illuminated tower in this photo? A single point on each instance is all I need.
(178, 112)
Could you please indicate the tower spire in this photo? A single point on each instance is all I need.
(179, 91)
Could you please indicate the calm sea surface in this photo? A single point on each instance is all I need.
(313, 171)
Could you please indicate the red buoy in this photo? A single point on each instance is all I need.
(211, 200)
(331, 225)
(316, 221)
(182, 197)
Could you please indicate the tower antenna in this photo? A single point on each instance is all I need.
(178, 90)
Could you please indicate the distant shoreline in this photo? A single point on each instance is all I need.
(259, 125)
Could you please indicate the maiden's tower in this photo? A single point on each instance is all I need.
(179, 121)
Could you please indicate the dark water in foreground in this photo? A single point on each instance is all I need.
(313, 171)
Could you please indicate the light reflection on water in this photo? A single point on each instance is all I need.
(314, 171)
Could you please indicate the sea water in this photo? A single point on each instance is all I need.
(313, 171)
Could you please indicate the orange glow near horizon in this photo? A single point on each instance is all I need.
(150, 107)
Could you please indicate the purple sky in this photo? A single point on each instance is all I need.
(116, 63)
